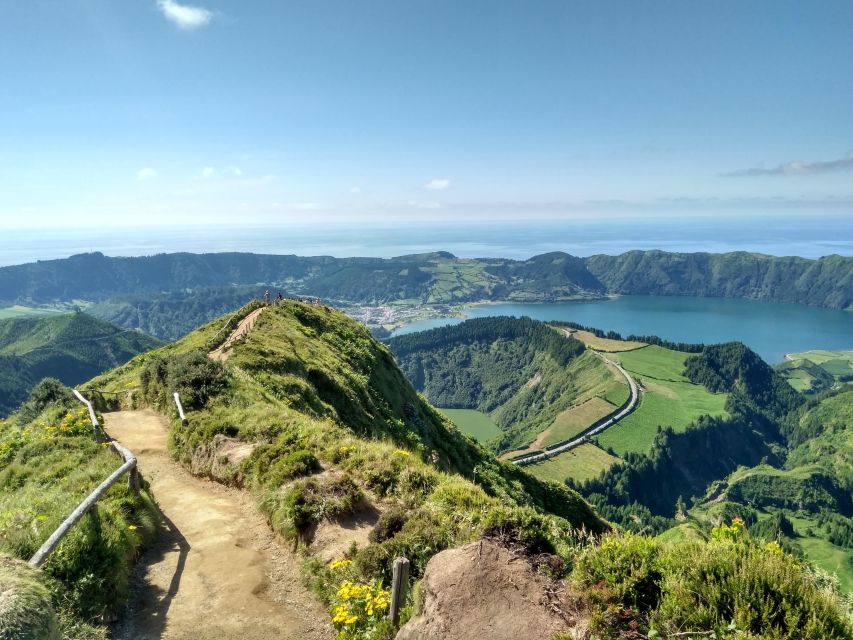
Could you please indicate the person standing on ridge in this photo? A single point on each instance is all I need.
(267, 296)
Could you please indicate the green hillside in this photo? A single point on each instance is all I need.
(532, 380)
(816, 371)
(70, 347)
(167, 295)
(334, 433)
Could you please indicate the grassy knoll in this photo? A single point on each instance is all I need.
(823, 553)
(582, 463)
(668, 399)
(473, 422)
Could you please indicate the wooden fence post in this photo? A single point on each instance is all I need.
(399, 587)
(180, 407)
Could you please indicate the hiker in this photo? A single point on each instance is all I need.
(267, 297)
(280, 297)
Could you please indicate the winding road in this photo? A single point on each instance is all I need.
(610, 420)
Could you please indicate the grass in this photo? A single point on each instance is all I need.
(474, 423)
(605, 344)
(571, 422)
(46, 469)
(668, 399)
(581, 463)
(18, 311)
(823, 553)
(817, 370)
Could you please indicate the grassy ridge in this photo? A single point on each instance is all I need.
(71, 347)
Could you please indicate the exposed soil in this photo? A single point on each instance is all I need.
(223, 352)
(483, 590)
(216, 570)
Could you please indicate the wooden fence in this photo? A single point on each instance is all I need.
(91, 500)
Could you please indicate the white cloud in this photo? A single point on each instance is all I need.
(185, 16)
(798, 168)
(234, 171)
(146, 173)
(208, 172)
(355, 189)
(437, 184)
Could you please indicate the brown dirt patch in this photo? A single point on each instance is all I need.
(223, 352)
(483, 590)
(216, 571)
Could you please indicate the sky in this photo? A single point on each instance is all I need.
(120, 112)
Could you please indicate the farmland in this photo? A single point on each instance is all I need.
(668, 399)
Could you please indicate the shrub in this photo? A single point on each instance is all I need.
(296, 508)
(193, 375)
(389, 524)
(48, 392)
(26, 610)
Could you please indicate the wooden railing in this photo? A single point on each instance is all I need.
(128, 467)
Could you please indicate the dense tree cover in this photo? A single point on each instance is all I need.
(734, 368)
(515, 369)
(438, 277)
(72, 347)
(827, 282)
(169, 316)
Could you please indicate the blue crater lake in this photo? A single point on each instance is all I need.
(770, 328)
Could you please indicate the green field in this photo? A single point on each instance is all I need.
(473, 422)
(581, 463)
(668, 399)
(571, 422)
(817, 370)
(18, 311)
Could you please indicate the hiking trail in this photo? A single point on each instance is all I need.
(223, 352)
(215, 570)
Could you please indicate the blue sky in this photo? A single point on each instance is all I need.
(147, 111)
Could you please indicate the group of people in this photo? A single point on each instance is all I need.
(279, 298)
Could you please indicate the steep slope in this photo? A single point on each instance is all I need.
(827, 282)
(521, 372)
(71, 347)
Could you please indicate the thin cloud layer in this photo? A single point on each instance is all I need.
(185, 16)
(798, 168)
(146, 173)
(438, 184)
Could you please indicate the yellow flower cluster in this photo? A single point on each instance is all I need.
(402, 452)
(340, 563)
(361, 604)
(728, 532)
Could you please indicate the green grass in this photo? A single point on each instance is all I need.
(668, 399)
(473, 422)
(571, 422)
(18, 311)
(582, 463)
(46, 469)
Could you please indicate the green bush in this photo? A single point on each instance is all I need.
(193, 375)
(293, 510)
(730, 584)
(26, 609)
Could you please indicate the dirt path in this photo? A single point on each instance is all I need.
(215, 571)
(224, 352)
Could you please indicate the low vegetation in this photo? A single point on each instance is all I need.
(49, 462)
